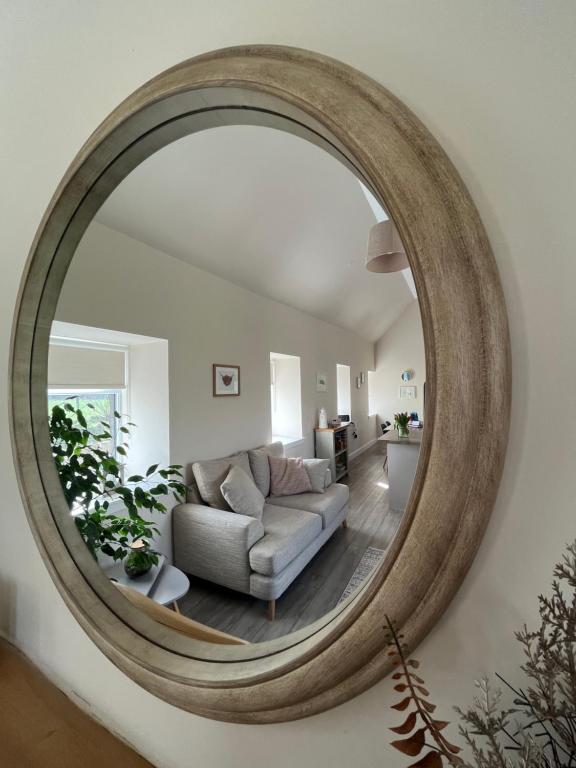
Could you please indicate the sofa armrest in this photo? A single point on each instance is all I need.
(328, 478)
(213, 544)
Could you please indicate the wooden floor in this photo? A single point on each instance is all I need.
(320, 585)
(41, 728)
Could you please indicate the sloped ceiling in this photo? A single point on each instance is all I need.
(269, 212)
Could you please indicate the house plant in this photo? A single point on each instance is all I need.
(401, 421)
(107, 509)
(538, 729)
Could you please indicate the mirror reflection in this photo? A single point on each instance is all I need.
(230, 414)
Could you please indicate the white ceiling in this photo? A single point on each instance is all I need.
(269, 212)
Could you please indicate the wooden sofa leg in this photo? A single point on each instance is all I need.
(344, 523)
(271, 610)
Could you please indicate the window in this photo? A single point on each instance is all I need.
(105, 402)
(343, 397)
(285, 397)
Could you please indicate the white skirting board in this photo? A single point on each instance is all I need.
(362, 448)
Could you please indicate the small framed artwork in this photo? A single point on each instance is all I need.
(321, 382)
(358, 382)
(407, 393)
(362, 377)
(225, 380)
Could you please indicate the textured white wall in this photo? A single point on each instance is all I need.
(494, 82)
(400, 349)
(209, 320)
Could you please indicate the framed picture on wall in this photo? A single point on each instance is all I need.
(225, 380)
(321, 382)
(407, 393)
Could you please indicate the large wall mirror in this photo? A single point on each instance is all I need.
(229, 474)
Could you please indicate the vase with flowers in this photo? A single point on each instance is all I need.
(401, 421)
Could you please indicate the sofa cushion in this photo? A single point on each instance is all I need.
(287, 532)
(260, 466)
(241, 493)
(288, 476)
(316, 469)
(210, 475)
(326, 505)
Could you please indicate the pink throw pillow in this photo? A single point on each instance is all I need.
(288, 477)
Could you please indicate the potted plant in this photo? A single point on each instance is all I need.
(401, 421)
(92, 479)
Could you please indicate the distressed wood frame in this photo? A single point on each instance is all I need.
(468, 374)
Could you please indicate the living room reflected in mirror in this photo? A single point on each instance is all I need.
(228, 411)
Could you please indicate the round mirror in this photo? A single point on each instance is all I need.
(229, 487)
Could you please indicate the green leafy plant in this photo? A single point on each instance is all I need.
(401, 421)
(92, 480)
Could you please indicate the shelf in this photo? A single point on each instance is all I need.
(339, 453)
(341, 475)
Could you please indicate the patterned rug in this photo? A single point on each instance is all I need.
(369, 561)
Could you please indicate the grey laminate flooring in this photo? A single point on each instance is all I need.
(320, 585)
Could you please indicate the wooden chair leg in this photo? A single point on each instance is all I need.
(271, 610)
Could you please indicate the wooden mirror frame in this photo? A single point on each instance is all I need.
(467, 362)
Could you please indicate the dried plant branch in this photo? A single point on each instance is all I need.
(439, 747)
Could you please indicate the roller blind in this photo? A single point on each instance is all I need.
(86, 368)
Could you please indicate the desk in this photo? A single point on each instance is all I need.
(403, 454)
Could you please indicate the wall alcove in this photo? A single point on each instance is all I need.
(468, 372)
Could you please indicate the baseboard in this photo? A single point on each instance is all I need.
(362, 448)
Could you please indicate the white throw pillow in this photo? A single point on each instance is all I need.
(242, 494)
(316, 469)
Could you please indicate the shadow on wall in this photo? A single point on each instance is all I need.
(7, 608)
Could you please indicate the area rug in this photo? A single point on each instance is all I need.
(368, 562)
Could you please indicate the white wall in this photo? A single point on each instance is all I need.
(209, 320)
(494, 81)
(400, 349)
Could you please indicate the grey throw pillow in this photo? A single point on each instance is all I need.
(260, 466)
(210, 475)
(316, 469)
(241, 493)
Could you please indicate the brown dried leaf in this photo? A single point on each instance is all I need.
(416, 679)
(401, 706)
(413, 663)
(452, 747)
(400, 687)
(440, 724)
(397, 676)
(422, 690)
(412, 746)
(431, 760)
(407, 725)
(428, 706)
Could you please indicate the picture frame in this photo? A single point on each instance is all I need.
(225, 380)
(408, 393)
(362, 377)
(358, 382)
(321, 382)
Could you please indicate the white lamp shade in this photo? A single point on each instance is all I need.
(385, 250)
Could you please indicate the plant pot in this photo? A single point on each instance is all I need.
(139, 561)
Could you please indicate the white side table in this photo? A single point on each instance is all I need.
(171, 585)
(165, 584)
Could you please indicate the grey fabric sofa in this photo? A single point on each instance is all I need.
(258, 557)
